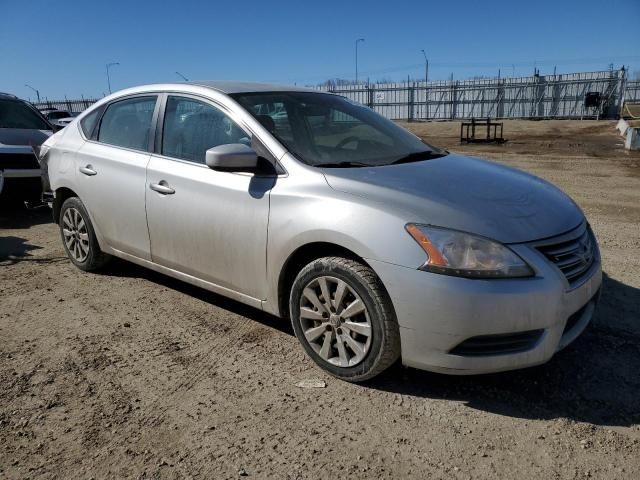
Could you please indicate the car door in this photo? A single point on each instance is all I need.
(111, 174)
(208, 224)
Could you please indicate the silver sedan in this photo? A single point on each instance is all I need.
(376, 245)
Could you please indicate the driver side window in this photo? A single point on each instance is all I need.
(192, 127)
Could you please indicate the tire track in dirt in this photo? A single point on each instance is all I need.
(207, 361)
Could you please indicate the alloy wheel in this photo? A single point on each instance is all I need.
(76, 236)
(335, 321)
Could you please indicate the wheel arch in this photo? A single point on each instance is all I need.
(301, 257)
(62, 193)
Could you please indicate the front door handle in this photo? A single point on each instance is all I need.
(162, 188)
(88, 170)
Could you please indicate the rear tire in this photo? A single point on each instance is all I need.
(353, 334)
(78, 237)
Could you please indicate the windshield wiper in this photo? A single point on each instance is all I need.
(418, 156)
(342, 164)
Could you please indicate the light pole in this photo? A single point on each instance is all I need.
(357, 42)
(426, 66)
(35, 90)
(426, 83)
(107, 66)
(183, 77)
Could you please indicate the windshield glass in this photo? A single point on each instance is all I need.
(16, 114)
(58, 114)
(328, 130)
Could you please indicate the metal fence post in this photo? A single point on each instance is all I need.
(500, 99)
(621, 91)
(454, 94)
(542, 88)
(426, 100)
(411, 100)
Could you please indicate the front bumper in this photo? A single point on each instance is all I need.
(23, 184)
(436, 313)
(21, 173)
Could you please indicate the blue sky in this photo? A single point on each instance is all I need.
(61, 47)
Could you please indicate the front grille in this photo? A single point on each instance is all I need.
(486, 345)
(573, 256)
(18, 161)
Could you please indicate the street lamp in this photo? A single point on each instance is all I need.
(426, 66)
(357, 42)
(35, 90)
(183, 77)
(109, 65)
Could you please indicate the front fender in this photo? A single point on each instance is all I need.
(308, 212)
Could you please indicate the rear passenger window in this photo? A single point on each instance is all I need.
(88, 123)
(127, 123)
(192, 127)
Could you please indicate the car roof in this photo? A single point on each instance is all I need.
(220, 87)
(229, 87)
(8, 96)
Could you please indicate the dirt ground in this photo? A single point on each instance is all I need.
(129, 374)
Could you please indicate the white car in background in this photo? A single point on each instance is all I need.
(61, 118)
(63, 122)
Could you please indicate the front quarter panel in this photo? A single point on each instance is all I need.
(305, 209)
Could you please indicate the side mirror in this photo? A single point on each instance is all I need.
(233, 156)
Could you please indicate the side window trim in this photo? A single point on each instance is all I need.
(105, 107)
(158, 110)
(159, 125)
(93, 134)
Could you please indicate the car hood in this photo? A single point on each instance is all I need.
(23, 136)
(466, 194)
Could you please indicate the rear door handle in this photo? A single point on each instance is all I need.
(88, 170)
(162, 188)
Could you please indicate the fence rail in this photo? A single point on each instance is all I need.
(534, 97)
(72, 106)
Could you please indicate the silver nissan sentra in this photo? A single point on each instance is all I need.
(376, 245)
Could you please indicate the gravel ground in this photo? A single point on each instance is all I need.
(129, 374)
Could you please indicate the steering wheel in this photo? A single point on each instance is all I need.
(346, 141)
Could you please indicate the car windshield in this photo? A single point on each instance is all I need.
(326, 130)
(58, 114)
(17, 114)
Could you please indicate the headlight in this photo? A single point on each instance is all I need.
(457, 253)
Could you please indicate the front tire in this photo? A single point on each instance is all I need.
(78, 237)
(344, 319)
